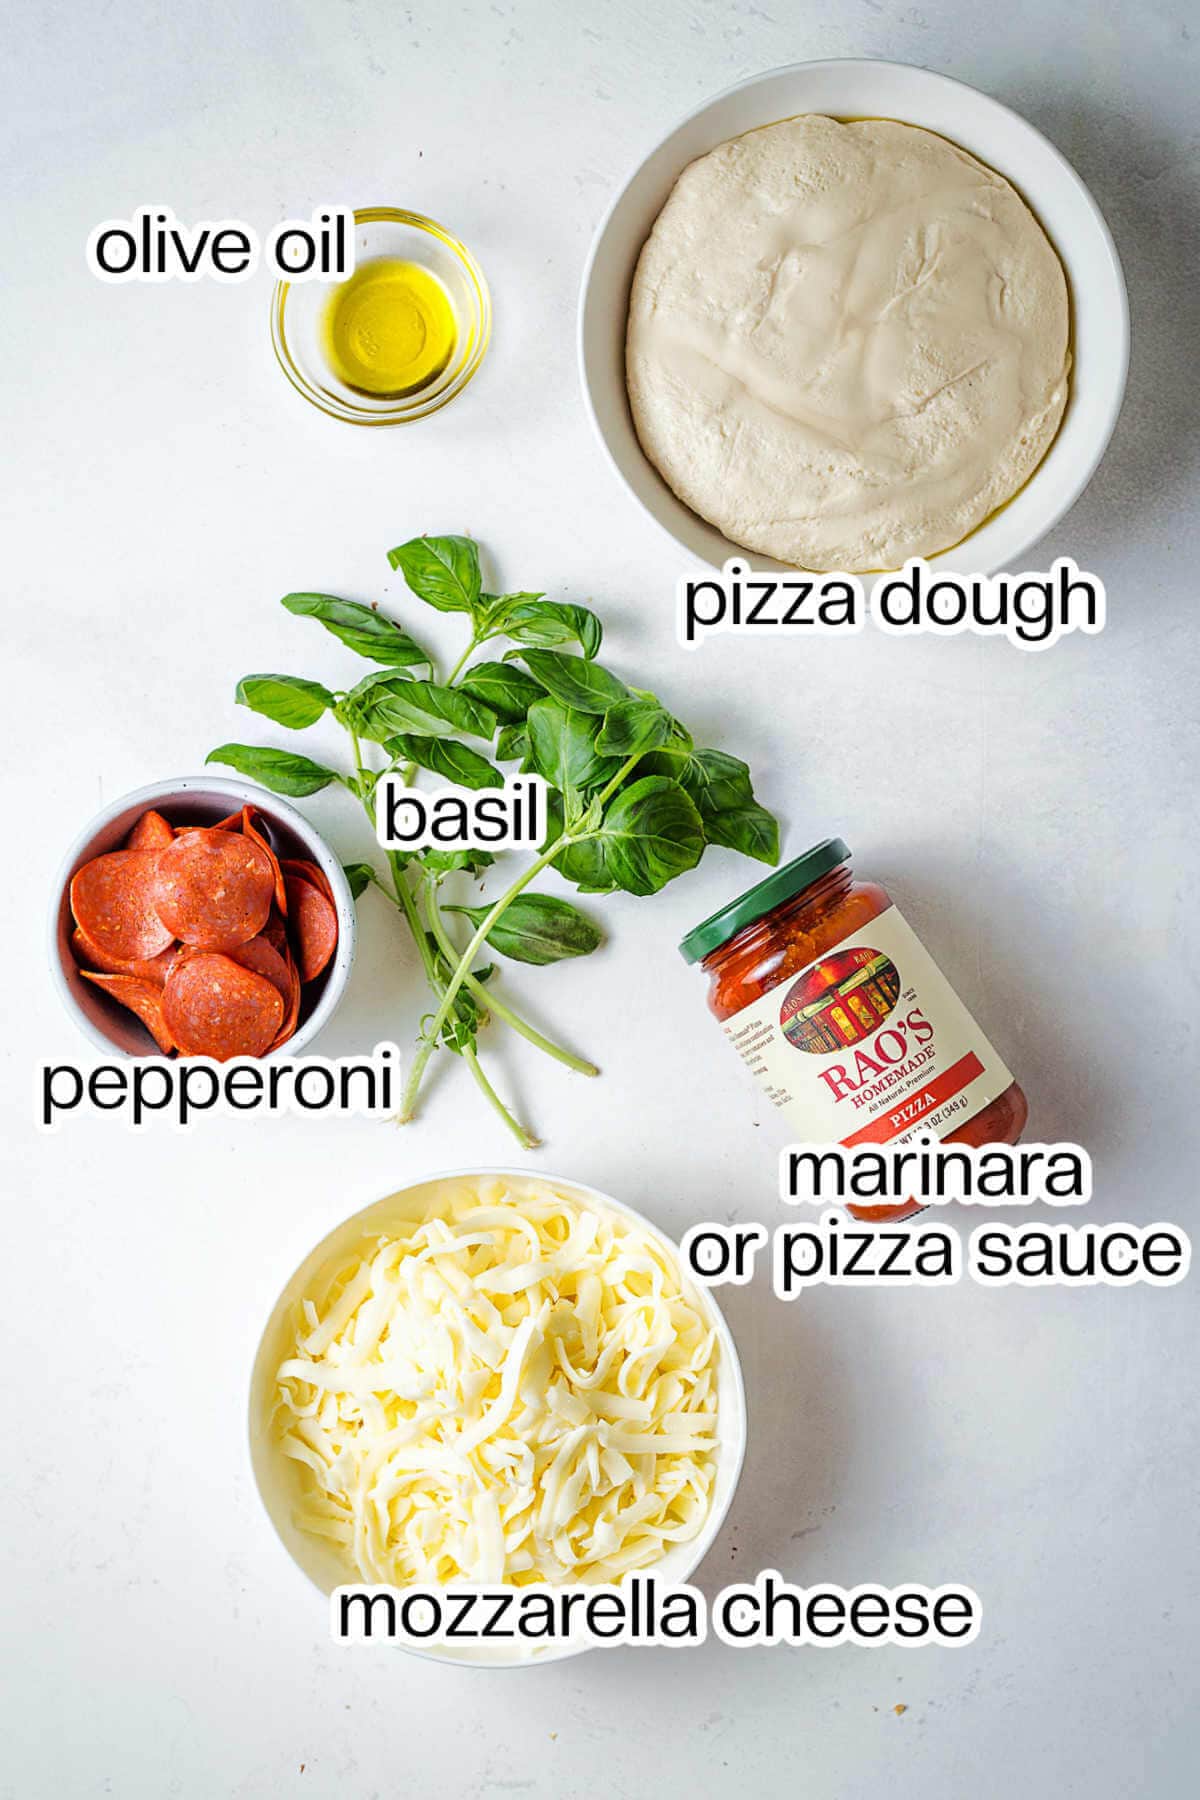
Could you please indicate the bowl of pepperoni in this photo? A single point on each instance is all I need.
(201, 917)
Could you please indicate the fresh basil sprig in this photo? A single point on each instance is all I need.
(383, 705)
(562, 748)
(359, 875)
(537, 928)
(288, 699)
(507, 690)
(574, 680)
(361, 629)
(442, 571)
(531, 619)
(720, 786)
(632, 802)
(445, 757)
(280, 770)
(632, 727)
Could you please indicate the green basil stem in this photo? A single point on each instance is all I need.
(492, 1001)
(626, 767)
(494, 1004)
(463, 660)
(359, 770)
(405, 899)
(408, 904)
(524, 1137)
(417, 1070)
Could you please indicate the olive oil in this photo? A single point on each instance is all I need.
(390, 329)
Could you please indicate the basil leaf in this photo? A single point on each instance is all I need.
(584, 864)
(360, 875)
(716, 781)
(537, 928)
(383, 706)
(509, 691)
(574, 680)
(720, 786)
(651, 832)
(362, 629)
(634, 726)
(442, 571)
(442, 756)
(279, 770)
(512, 744)
(554, 819)
(467, 1015)
(355, 711)
(288, 699)
(495, 609)
(750, 828)
(562, 749)
(551, 622)
(444, 861)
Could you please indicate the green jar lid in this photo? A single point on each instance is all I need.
(784, 884)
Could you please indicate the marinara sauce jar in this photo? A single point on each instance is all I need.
(841, 1014)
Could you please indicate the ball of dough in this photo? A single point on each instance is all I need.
(847, 344)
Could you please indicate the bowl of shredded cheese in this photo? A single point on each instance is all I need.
(496, 1378)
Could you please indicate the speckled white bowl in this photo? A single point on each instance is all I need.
(990, 131)
(195, 800)
(278, 1477)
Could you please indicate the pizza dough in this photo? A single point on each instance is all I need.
(847, 344)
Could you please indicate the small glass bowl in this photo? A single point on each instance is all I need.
(297, 309)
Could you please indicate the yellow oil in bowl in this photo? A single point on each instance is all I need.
(390, 329)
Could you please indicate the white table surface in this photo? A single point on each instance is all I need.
(1034, 815)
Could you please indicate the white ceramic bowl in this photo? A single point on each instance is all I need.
(998, 137)
(194, 800)
(278, 1476)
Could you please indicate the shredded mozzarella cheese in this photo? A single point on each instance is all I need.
(516, 1389)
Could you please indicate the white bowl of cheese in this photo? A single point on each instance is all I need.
(853, 90)
(469, 1376)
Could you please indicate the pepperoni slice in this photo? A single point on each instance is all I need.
(251, 830)
(214, 888)
(232, 823)
(314, 923)
(262, 956)
(292, 1015)
(152, 968)
(309, 871)
(113, 900)
(275, 931)
(141, 997)
(213, 1006)
(151, 832)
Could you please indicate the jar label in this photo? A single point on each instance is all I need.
(869, 1044)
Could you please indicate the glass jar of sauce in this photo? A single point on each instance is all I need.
(839, 1011)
